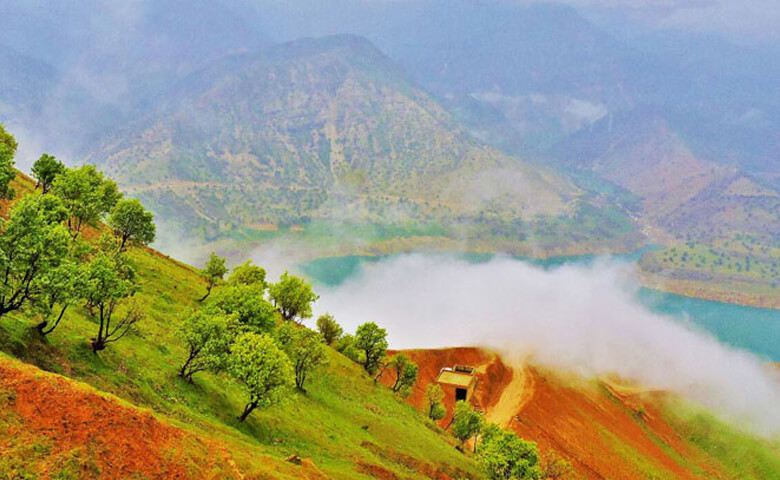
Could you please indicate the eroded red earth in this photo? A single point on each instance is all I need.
(608, 430)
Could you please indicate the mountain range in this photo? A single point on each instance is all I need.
(249, 118)
(317, 128)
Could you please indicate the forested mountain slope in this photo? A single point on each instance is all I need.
(314, 129)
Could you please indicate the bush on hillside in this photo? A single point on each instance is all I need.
(504, 456)
(303, 347)
(434, 397)
(330, 330)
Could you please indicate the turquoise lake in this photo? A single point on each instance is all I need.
(749, 328)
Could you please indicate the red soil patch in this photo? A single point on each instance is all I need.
(125, 441)
(586, 423)
(493, 375)
(606, 431)
(425, 469)
(375, 471)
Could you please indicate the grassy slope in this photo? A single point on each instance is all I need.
(334, 425)
(739, 455)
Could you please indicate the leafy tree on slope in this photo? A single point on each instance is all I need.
(405, 372)
(303, 347)
(33, 243)
(131, 223)
(505, 456)
(209, 333)
(371, 341)
(61, 288)
(466, 422)
(45, 170)
(293, 297)
(248, 304)
(213, 273)
(87, 196)
(247, 274)
(108, 283)
(329, 329)
(262, 369)
(8, 147)
(434, 397)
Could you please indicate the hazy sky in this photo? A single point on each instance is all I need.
(749, 19)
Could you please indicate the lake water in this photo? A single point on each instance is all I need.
(749, 328)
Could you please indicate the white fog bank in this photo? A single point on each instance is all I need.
(585, 319)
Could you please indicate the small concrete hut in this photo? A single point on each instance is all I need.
(458, 381)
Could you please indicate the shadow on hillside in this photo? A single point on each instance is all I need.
(24, 342)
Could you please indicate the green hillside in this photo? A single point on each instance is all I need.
(129, 414)
(336, 425)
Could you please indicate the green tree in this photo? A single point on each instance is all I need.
(262, 369)
(213, 273)
(247, 274)
(466, 422)
(109, 281)
(131, 223)
(434, 397)
(293, 297)
(87, 196)
(405, 372)
(61, 288)
(248, 304)
(209, 333)
(45, 170)
(346, 346)
(555, 467)
(33, 243)
(329, 329)
(505, 456)
(303, 347)
(371, 341)
(8, 147)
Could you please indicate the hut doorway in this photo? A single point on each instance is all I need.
(461, 394)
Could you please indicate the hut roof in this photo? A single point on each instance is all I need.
(455, 378)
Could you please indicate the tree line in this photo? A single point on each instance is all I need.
(242, 314)
(46, 264)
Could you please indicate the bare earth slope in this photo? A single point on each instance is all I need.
(607, 429)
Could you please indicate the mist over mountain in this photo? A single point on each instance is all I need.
(138, 84)
(327, 128)
(97, 64)
(536, 63)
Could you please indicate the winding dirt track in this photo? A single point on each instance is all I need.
(514, 397)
